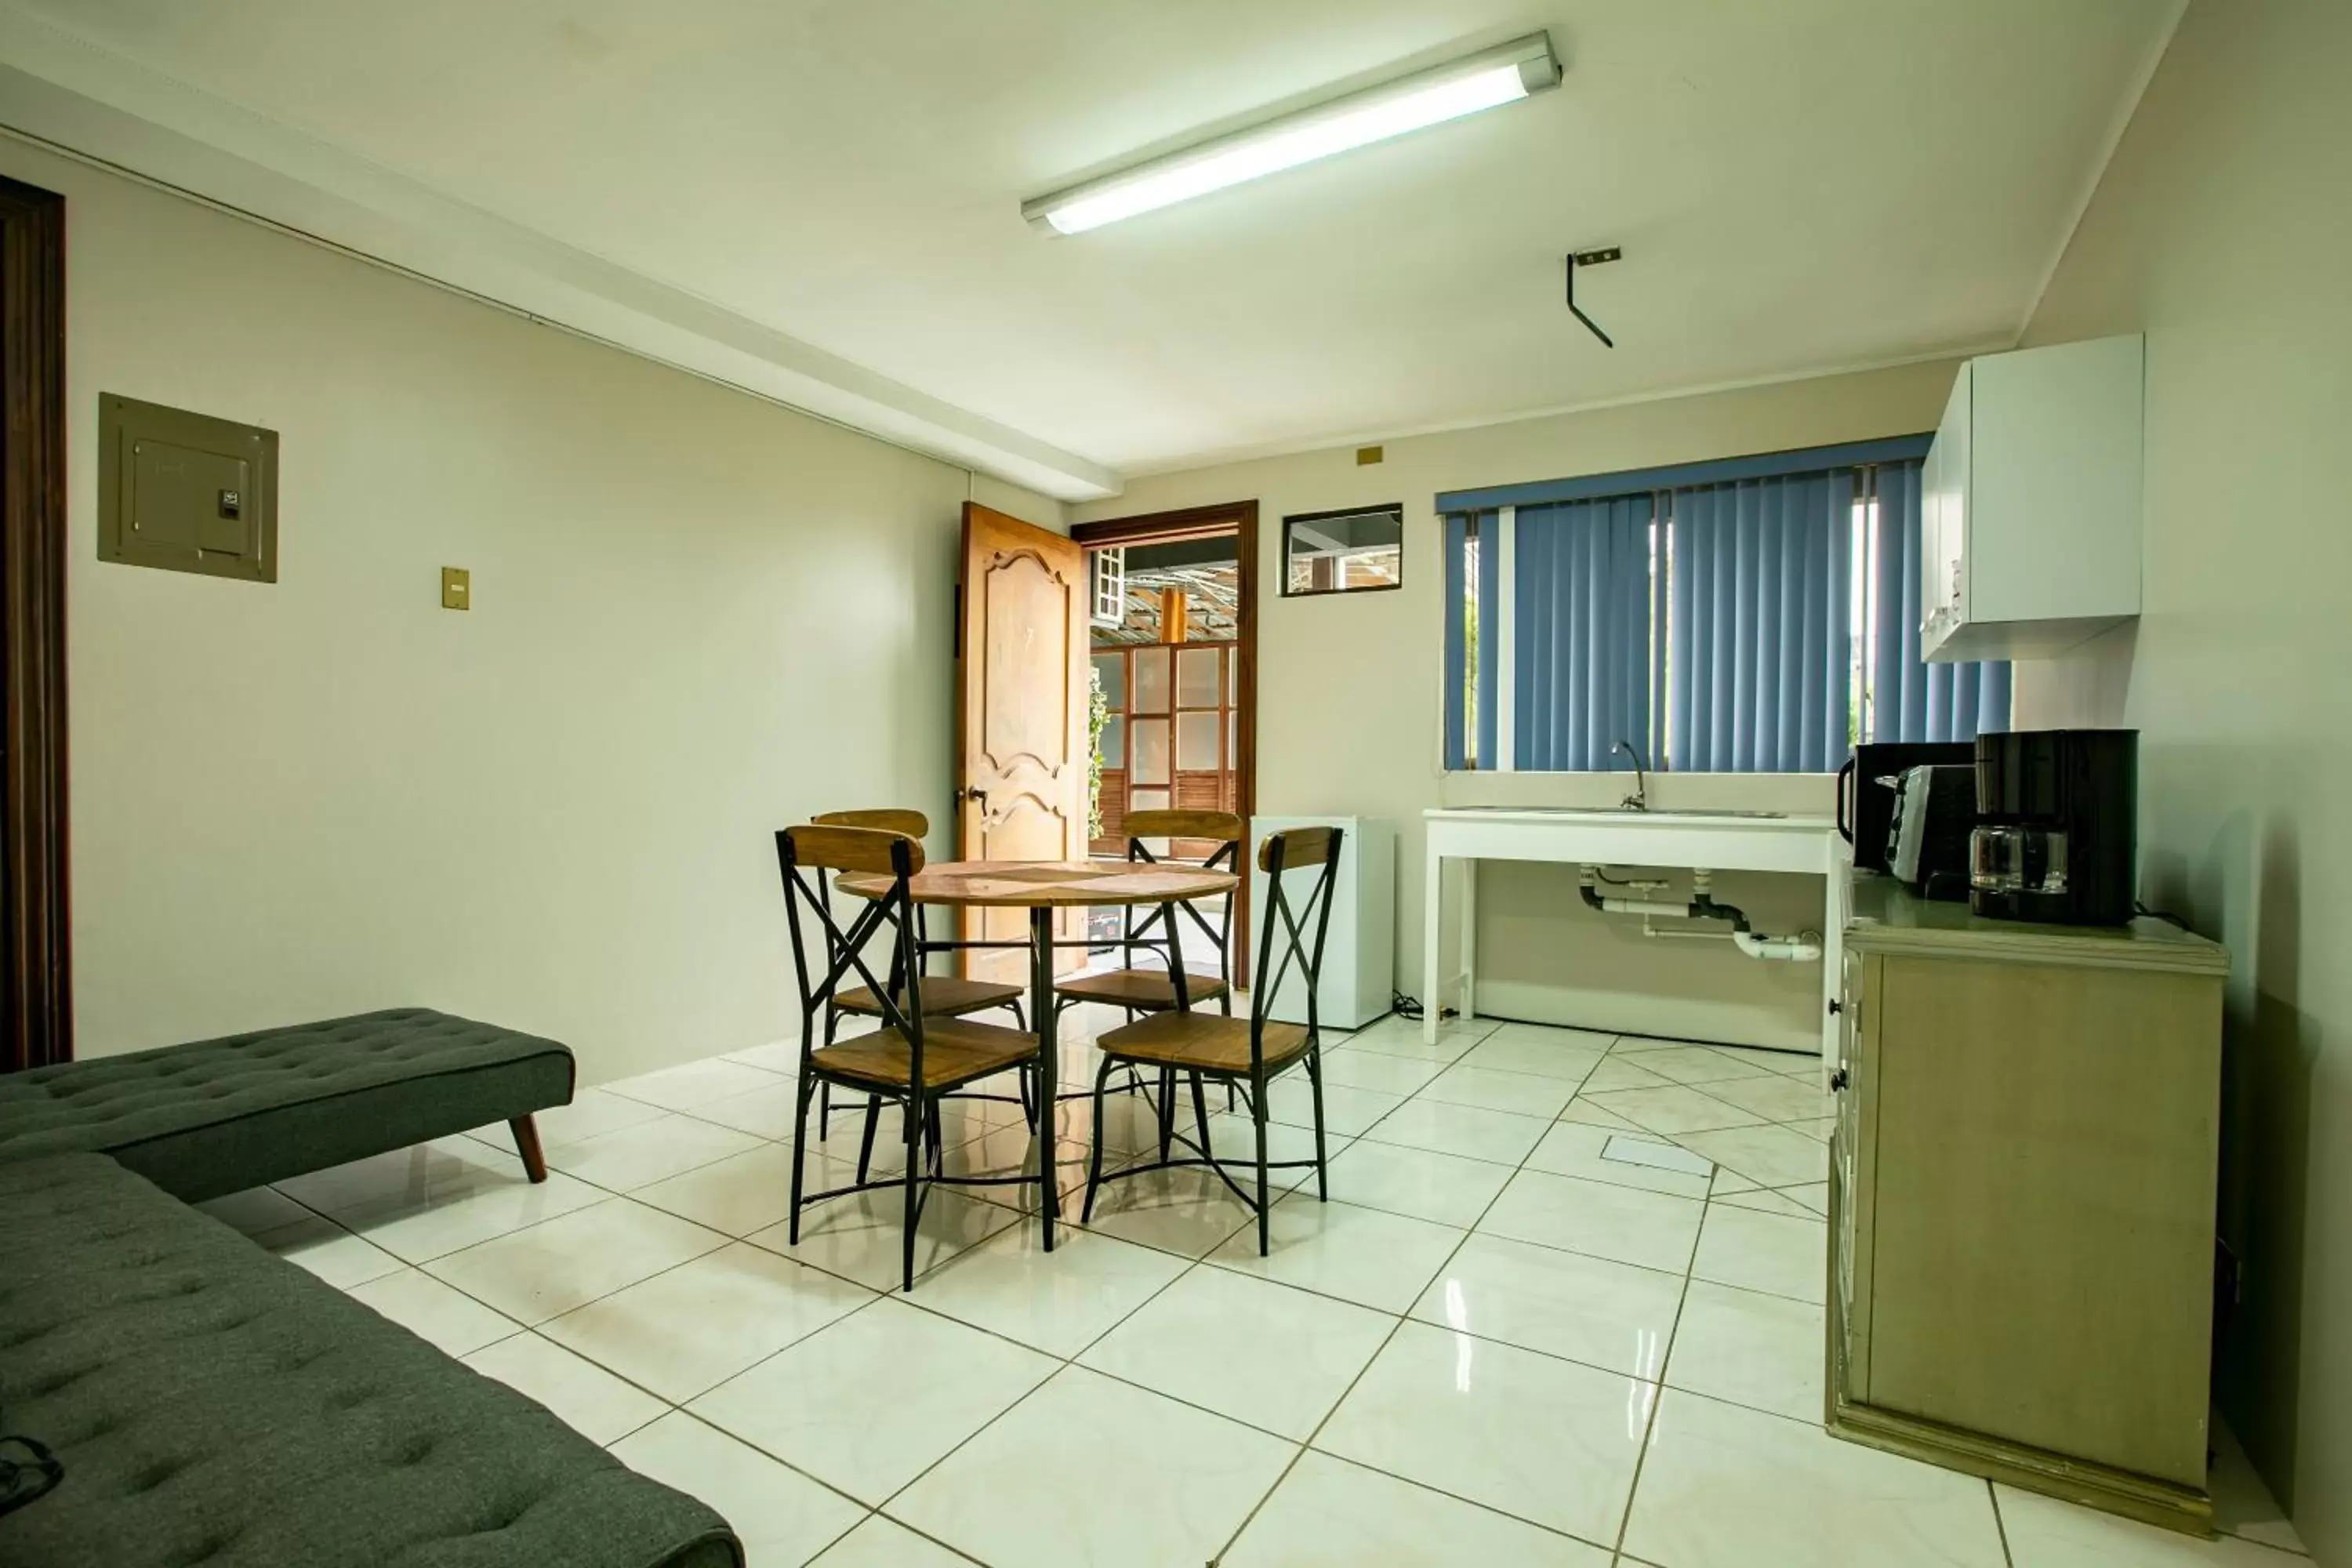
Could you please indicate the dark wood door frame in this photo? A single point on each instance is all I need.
(1238, 518)
(34, 968)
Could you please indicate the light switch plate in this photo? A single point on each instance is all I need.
(457, 588)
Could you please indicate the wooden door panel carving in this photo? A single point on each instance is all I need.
(1026, 658)
(1022, 742)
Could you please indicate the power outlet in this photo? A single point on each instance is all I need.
(457, 588)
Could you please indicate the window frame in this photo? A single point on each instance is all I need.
(1377, 509)
(1491, 518)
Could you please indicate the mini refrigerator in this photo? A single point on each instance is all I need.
(1359, 950)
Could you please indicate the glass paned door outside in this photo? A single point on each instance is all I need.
(1170, 738)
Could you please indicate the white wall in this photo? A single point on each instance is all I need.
(1349, 697)
(697, 616)
(2221, 230)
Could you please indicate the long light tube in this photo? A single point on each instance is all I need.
(1483, 80)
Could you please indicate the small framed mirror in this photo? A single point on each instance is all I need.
(1356, 551)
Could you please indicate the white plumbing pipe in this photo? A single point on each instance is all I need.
(1590, 876)
(1695, 933)
(1788, 949)
(1646, 907)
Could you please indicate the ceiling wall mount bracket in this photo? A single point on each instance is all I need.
(1577, 258)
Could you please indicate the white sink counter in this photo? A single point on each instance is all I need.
(1699, 840)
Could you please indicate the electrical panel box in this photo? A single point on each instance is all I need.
(186, 491)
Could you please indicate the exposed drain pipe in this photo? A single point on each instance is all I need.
(1800, 948)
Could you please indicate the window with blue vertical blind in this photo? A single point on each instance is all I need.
(1759, 615)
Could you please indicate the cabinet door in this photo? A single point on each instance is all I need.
(1851, 1162)
(1944, 519)
(2034, 1252)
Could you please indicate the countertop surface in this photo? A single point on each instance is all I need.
(1617, 816)
(1888, 918)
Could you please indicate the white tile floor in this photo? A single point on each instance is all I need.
(1563, 1310)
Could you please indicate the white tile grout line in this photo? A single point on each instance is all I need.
(1999, 1525)
(1191, 1263)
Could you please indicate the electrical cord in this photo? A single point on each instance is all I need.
(2167, 916)
(1405, 1006)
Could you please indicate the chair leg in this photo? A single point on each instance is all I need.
(866, 1144)
(1201, 1114)
(800, 1129)
(1020, 1015)
(915, 1119)
(1226, 1006)
(526, 1137)
(1094, 1158)
(1258, 1094)
(1167, 1111)
(825, 1090)
(1314, 1082)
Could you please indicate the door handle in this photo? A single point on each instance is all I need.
(1838, 1080)
(978, 797)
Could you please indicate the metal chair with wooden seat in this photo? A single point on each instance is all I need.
(944, 995)
(1148, 990)
(915, 1058)
(1248, 1053)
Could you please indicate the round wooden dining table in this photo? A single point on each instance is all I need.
(1040, 886)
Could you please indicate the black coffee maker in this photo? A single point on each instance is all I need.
(2057, 834)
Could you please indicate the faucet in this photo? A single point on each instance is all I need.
(1640, 799)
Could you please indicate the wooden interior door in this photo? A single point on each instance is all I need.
(1021, 716)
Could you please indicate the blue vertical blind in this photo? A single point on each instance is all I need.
(1759, 625)
(1758, 644)
(1582, 606)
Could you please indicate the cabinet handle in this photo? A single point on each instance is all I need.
(1836, 1006)
(1838, 1080)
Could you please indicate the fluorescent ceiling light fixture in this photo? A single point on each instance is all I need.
(1431, 97)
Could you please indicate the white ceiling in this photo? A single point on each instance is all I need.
(829, 190)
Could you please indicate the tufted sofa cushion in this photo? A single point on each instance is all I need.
(218, 1116)
(214, 1404)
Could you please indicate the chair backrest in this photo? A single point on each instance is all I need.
(889, 818)
(1228, 831)
(1223, 827)
(1300, 926)
(820, 848)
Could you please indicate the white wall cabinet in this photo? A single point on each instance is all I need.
(2031, 504)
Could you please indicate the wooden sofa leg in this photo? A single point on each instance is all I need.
(526, 1137)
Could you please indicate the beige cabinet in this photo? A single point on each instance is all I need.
(2022, 1197)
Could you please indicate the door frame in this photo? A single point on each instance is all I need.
(35, 967)
(1238, 518)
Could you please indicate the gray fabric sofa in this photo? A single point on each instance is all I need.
(214, 1404)
(213, 1117)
